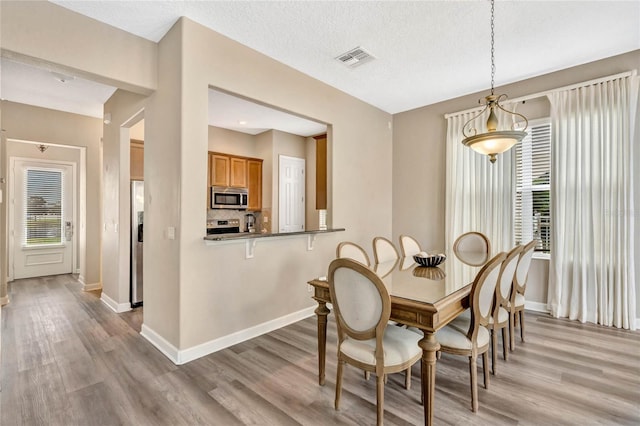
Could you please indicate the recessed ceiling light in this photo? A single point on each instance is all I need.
(242, 122)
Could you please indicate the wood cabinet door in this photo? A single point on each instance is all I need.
(219, 172)
(254, 175)
(136, 160)
(238, 175)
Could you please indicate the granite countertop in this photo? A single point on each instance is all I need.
(250, 235)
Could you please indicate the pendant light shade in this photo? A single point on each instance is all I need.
(493, 141)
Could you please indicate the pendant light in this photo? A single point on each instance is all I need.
(494, 141)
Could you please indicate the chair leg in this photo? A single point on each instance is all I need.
(386, 379)
(494, 346)
(367, 374)
(485, 369)
(512, 337)
(473, 370)
(522, 325)
(407, 378)
(380, 398)
(339, 383)
(505, 351)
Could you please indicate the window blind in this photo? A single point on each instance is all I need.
(43, 194)
(533, 166)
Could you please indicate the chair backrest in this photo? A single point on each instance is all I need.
(482, 294)
(360, 300)
(384, 250)
(473, 248)
(507, 272)
(522, 271)
(409, 246)
(349, 250)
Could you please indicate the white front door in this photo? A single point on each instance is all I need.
(42, 220)
(291, 194)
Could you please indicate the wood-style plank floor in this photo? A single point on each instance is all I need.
(68, 360)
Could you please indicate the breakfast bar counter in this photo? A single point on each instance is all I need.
(251, 235)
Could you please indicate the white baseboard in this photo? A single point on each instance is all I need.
(637, 323)
(77, 271)
(91, 287)
(536, 306)
(115, 306)
(161, 343)
(183, 356)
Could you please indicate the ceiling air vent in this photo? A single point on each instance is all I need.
(355, 57)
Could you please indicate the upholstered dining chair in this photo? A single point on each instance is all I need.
(409, 246)
(500, 317)
(469, 336)
(516, 300)
(384, 250)
(473, 248)
(349, 250)
(362, 308)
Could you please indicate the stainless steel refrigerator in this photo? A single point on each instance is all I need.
(137, 222)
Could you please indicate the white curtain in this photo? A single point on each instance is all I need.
(479, 195)
(592, 276)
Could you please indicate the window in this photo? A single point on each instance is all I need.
(43, 207)
(533, 166)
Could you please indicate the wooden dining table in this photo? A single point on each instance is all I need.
(426, 298)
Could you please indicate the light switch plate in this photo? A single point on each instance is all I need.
(171, 233)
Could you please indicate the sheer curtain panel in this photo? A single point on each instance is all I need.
(479, 195)
(591, 274)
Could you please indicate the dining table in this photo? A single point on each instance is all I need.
(427, 298)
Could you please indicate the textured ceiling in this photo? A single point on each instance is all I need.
(426, 51)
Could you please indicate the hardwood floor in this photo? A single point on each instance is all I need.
(68, 360)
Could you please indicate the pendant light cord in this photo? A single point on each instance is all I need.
(493, 65)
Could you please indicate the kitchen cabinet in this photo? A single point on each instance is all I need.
(136, 160)
(254, 177)
(321, 172)
(219, 169)
(238, 172)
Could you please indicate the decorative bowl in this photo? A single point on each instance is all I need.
(425, 259)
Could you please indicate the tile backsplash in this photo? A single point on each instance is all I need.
(224, 214)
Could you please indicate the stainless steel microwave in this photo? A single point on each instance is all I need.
(224, 197)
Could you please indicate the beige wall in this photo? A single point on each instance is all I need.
(264, 150)
(40, 33)
(123, 107)
(419, 158)
(231, 142)
(24, 122)
(270, 285)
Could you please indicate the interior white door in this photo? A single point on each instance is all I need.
(42, 220)
(291, 193)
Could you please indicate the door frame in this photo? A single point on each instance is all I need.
(78, 203)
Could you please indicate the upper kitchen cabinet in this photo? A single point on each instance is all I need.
(219, 169)
(238, 172)
(136, 159)
(254, 176)
(238, 175)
